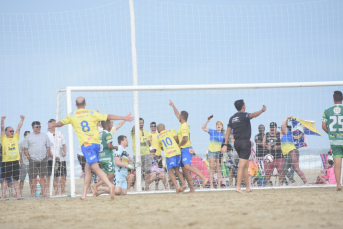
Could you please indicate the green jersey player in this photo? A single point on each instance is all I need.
(332, 124)
(106, 157)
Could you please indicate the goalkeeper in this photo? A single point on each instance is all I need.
(84, 123)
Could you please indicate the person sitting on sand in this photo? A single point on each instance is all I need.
(329, 178)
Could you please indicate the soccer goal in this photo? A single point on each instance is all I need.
(200, 101)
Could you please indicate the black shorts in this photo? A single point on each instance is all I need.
(49, 168)
(82, 161)
(60, 168)
(10, 169)
(243, 148)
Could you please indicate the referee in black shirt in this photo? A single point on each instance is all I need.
(240, 124)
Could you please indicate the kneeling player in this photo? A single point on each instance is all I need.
(168, 142)
(106, 157)
(121, 166)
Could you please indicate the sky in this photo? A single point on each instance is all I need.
(47, 46)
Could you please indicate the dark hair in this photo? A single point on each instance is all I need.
(289, 127)
(141, 119)
(261, 125)
(51, 120)
(26, 132)
(239, 104)
(105, 123)
(330, 162)
(7, 128)
(121, 138)
(35, 123)
(184, 114)
(152, 123)
(82, 103)
(337, 96)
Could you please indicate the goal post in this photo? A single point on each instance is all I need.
(121, 99)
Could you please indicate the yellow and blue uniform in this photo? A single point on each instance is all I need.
(84, 123)
(287, 143)
(186, 149)
(171, 149)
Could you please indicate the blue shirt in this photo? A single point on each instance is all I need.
(122, 154)
(216, 140)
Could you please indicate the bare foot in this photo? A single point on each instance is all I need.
(190, 192)
(183, 188)
(3, 198)
(249, 190)
(94, 191)
(82, 197)
(293, 184)
(238, 190)
(204, 182)
(33, 195)
(339, 188)
(57, 193)
(177, 190)
(112, 192)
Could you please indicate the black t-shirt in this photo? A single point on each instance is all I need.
(272, 141)
(240, 123)
(260, 151)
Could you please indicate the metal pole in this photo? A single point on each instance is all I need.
(135, 97)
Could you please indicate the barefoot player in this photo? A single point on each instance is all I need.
(106, 157)
(240, 124)
(332, 124)
(84, 123)
(186, 149)
(168, 141)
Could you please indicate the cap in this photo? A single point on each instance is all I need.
(152, 148)
(273, 124)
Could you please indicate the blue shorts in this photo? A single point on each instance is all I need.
(215, 155)
(173, 162)
(121, 181)
(91, 153)
(186, 155)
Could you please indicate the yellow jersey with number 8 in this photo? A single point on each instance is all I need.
(184, 131)
(84, 123)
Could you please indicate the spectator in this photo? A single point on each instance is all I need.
(329, 178)
(10, 181)
(37, 150)
(272, 143)
(131, 177)
(157, 173)
(145, 154)
(260, 150)
(216, 139)
(154, 143)
(60, 170)
(24, 164)
(290, 153)
(11, 156)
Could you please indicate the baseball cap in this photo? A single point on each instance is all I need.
(273, 124)
(152, 148)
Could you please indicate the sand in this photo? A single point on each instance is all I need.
(272, 208)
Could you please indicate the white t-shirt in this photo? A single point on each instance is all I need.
(59, 146)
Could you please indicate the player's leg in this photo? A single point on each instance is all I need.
(219, 171)
(187, 154)
(180, 175)
(173, 179)
(102, 175)
(119, 181)
(212, 161)
(130, 179)
(337, 170)
(87, 181)
(188, 179)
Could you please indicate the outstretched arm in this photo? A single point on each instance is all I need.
(120, 124)
(204, 127)
(257, 113)
(115, 117)
(22, 117)
(58, 124)
(176, 112)
(3, 125)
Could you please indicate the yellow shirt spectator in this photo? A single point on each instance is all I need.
(154, 142)
(10, 148)
(167, 141)
(84, 123)
(144, 137)
(184, 131)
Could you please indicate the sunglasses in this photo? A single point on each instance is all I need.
(11, 131)
(37, 127)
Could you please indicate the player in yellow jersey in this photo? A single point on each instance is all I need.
(168, 142)
(84, 123)
(186, 149)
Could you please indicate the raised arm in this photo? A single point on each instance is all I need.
(284, 126)
(115, 117)
(176, 112)
(257, 113)
(22, 117)
(3, 125)
(120, 124)
(58, 124)
(204, 127)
